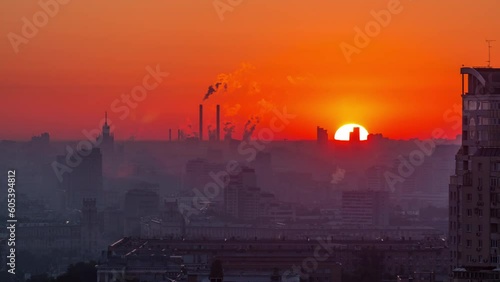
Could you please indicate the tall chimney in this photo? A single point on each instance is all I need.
(170, 135)
(218, 122)
(201, 122)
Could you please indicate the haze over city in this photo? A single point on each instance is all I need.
(233, 140)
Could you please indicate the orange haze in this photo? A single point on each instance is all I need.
(275, 53)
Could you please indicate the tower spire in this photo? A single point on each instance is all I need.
(489, 51)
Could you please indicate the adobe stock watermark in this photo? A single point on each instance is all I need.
(424, 149)
(121, 106)
(48, 9)
(223, 6)
(249, 149)
(372, 29)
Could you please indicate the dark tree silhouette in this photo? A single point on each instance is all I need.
(80, 272)
(276, 275)
(370, 267)
(216, 271)
(40, 278)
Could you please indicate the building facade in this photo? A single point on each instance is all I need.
(365, 208)
(242, 196)
(85, 180)
(474, 211)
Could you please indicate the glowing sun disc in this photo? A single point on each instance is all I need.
(343, 133)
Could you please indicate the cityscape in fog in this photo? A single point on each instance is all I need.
(187, 201)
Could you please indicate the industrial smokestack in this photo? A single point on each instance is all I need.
(218, 123)
(201, 122)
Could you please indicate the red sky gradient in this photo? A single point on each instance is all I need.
(288, 54)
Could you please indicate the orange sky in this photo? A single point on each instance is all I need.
(90, 52)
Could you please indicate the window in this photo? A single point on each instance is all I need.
(480, 212)
(479, 228)
(494, 182)
(467, 228)
(469, 197)
(469, 212)
(496, 166)
(468, 243)
(483, 135)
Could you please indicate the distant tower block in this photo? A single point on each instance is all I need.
(355, 134)
(201, 122)
(218, 122)
(89, 227)
(321, 135)
(107, 138)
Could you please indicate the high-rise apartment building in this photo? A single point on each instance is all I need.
(84, 181)
(474, 193)
(242, 196)
(365, 208)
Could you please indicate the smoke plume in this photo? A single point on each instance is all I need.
(250, 127)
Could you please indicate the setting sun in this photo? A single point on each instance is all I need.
(344, 132)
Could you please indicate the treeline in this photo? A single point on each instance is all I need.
(80, 272)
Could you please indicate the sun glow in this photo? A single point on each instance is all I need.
(344, 132)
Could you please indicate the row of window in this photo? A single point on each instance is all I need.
(481, 259)
(477, 211)
(468, 243)
(478, 258)
(482, 105)
(487, 276)
(480, 135)
(479, 197)
(468, 228)
(481, 121)
(453, 225)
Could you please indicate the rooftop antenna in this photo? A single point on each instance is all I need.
(489, 51)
